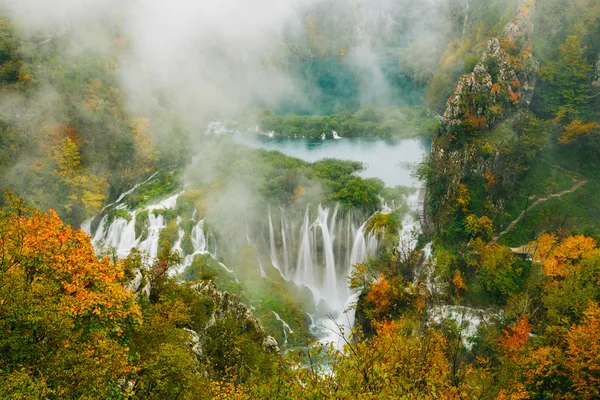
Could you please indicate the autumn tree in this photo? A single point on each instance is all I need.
(583, 354)
(498, 270)
(65, 316)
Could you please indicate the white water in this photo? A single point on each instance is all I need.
(314, 248)
(287, 330)
(326, 244)
(120, 234)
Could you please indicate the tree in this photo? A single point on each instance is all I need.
(562, 258)
(569, 79)
(65, 316)
(583, 354)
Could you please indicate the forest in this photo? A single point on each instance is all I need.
(144, 254)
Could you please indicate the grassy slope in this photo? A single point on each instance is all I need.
(573, 212)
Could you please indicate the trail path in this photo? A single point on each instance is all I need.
(579, 182)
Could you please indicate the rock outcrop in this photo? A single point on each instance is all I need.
(222, 305)
(500, 85)
(503, 79)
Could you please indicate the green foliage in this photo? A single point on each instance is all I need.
(387, 124)
(118, 213)
(569, 80)
(141, 225)
(470, 62)
(162, 184)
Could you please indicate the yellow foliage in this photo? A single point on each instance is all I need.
(146, 153)
(477, 226)
(67, 158)
(576, 129)
(464, 197)
(458, 282)
(561, 259)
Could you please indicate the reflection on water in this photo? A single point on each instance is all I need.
(392, 161)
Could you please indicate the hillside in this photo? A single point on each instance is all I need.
(148, 252)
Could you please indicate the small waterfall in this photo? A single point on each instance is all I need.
(304, 268)
(284, 244)
(120, 233)
(198, 238)
(329, 285)
(150, 245)
(287, 330)
(272, 243)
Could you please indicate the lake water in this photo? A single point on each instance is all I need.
(391, 161)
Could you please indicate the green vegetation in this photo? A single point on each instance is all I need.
(512, 204)
(265, 295)
(388, 124)
(141, 225)
(279, 179)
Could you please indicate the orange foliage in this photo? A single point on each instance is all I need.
(515, 337)
(517, 393)
(463, 197)
(509, 46)
(381, 294)
(473, 122)
(458, 282)
(490, 178)
(560, 259)
(496, 88)
(44, 249)
(66, 131)
(583, 354)
(514, 97)
(541, 364)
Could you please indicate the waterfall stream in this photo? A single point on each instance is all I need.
(313, 248)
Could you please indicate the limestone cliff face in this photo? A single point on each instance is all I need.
(503, 80)
(500, 85)
(223, 306)
(226, 305)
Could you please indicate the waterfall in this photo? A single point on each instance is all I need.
(155, 224)
(304, 267)
(312, 247)
(329, 285)
(272, 243)
(120, 233)
(287, 330)
(326, 244)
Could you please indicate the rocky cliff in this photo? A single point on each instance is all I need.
(500, 85)
(222, 309)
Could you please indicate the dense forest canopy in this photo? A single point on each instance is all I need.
(117, 117)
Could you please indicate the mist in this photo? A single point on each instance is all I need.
(218, 58)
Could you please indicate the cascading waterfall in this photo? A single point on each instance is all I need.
(327, 244)
(314, 248)
(120, 233)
